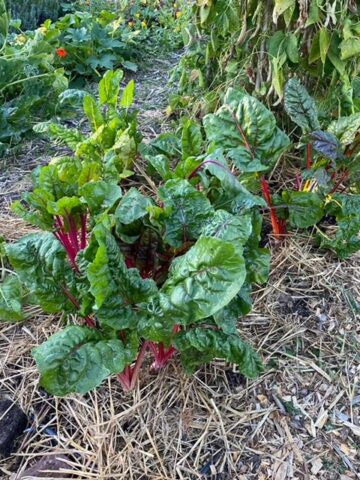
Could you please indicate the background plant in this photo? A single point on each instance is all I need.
(259, 44)
(27, 78)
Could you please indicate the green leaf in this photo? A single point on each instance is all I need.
(305, 208)
(243, 121)
(350, 48)
(191, 139)
(78, 359)
(300, 106)
(4, 24)
(202, 345)
(11, 300)
(227, 318)
(161, 164)
(346, 128)
(132, 207)
(346, 241)
(128, 94)
(100, 195)
(324, 43)
(108, 274)
(41, 264)
(203, 281)
(280, 8)
(228, 227)
(109, 87)
(65, 206)
(292, 49)
(93, 113)
(257, 264)
(315, 54)
(326, 144)
(186, 210)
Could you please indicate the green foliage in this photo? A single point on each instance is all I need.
(246, 130)
(259, 45)
(35, 12)
(168, 270)
(78, 359)
(111, 148)
(27, 78)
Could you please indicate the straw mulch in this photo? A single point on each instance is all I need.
(300, 420)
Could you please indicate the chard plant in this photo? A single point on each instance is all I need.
(244, 131)
(165, 266)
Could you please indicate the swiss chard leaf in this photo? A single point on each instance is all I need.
(132, 207)
(300, 106)
(186, 210)
(245, 124)
(108, 274)
(203, 281)
(346, 242)
(228, 227)
(191, 139)
(201, 345)
(11, 300)
(346, 128)
(41, 264)
(100, 195)
(326, 144)
(305, 208)
(78, 359)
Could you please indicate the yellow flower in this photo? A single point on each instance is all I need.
(143, 24)
(43, 30)
(137, 15)
(131, 24)
(179, 14)
(21, 39)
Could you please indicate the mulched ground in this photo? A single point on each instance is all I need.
(299, 420)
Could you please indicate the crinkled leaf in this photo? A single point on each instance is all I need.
(161, 164)
(326, 143)
(305, 208)
(100, 195)
(132, 207)
(41, 264)
(227, 318)
(78, 359)
(201, 345)
(11, 300)
(203, 281)
(300, 106)
(108, 274)
(243, 121)
(228, 227)
(346, 128)
(186, 211)
(346, 242)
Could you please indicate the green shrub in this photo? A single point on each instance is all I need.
(32, 13)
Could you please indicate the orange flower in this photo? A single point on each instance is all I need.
(61, 52)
